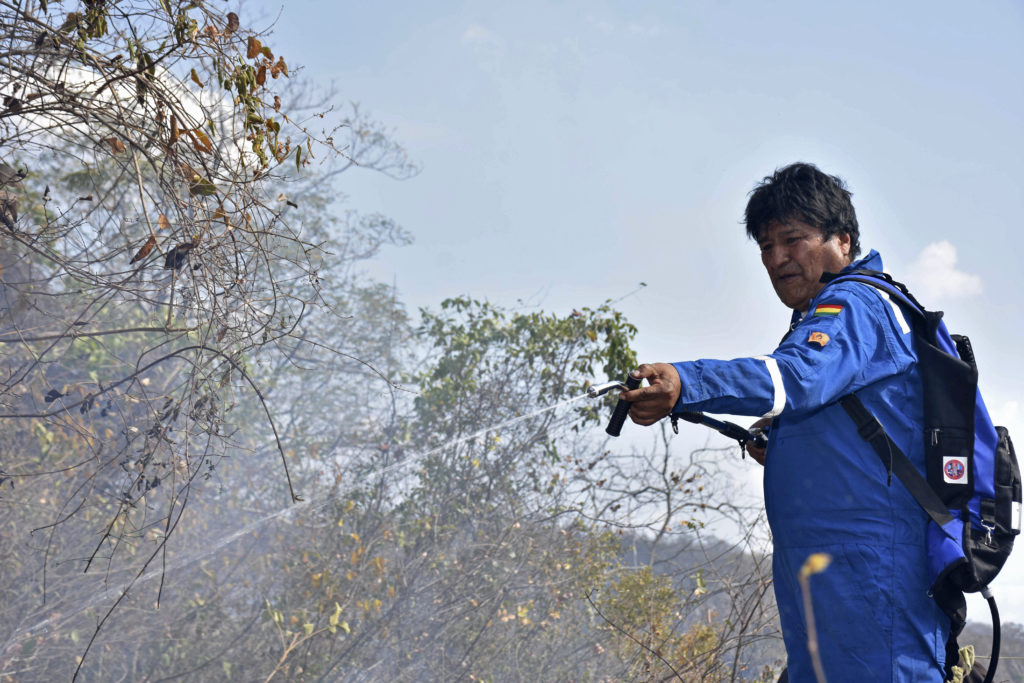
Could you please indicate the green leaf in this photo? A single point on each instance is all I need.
(201, 186)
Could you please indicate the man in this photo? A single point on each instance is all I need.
(826, 490)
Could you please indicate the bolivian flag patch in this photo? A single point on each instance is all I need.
(827, 310)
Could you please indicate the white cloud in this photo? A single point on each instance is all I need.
(601, 25)
(935, 275)
(478, 35)
(488, 46)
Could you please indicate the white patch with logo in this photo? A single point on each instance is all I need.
(1015, 515)
(954, 470)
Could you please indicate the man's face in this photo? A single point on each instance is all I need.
(795, 256)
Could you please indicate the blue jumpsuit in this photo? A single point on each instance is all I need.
(827, 491)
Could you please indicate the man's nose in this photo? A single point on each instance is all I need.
(777, 256)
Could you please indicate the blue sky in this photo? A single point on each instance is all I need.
(571, 150)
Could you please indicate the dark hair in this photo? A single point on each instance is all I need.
(802, 192)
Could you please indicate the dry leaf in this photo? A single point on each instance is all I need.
(175, 133)
(146, 248)
(200, 141)
(70, 24)
(277, 103)
(232, 24)
(9, 175)
(261, 75)
(195, 78)
(222, 215)
(116, 146)
(8, 209)
(163, 222)
(254, 47)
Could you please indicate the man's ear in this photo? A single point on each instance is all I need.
(844, 244)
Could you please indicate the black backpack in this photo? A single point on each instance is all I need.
(971, 488)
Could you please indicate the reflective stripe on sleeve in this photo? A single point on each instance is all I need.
(895, 309)
(779, 401)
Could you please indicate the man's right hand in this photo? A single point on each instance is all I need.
(653, 402)
(753, 451)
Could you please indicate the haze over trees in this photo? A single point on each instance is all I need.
(226, 453)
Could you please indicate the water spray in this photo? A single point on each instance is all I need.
(49, 623)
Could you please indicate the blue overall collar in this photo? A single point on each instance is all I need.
(873, 261)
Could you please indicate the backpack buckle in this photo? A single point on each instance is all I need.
(869, 431)
(989, 528)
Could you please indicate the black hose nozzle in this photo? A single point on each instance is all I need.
(618, 417)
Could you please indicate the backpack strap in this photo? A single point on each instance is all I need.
(881, 281)
(896, 462)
